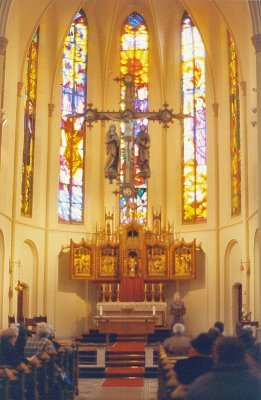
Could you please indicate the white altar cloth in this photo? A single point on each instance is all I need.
(143, 309)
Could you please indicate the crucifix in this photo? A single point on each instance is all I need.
(128, 115)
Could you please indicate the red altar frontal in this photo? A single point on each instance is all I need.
(132, 289)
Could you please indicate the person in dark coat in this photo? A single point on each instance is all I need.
(198, 362)
(8, 353)
(23, 334)
(230, 378)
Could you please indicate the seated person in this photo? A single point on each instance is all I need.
(179, 343)
(251, 347)
(229, 379)
(23, 334)
(8, 354)
(220, 326)
(39, 343)
(198, 363)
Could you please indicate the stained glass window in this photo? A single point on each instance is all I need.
(134, 61)
(234, 129)
(74, 93)
(29, 127)
(194, 128)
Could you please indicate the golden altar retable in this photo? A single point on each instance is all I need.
(133, 251)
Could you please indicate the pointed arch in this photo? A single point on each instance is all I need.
(29, 127)
(194, 174)
(135, 61)
(74, 97)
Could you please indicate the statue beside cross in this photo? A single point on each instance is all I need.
(128, 116)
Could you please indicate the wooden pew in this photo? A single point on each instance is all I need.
(167, 381)
(39, 379)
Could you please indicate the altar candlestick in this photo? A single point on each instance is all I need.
(118, 292)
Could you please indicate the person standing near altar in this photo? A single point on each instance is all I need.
(177, 309)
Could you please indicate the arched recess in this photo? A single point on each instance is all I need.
(232, 284)
(255, 300)
(27, 273)
(2, 257)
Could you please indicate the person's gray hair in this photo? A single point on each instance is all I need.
(248, 328)
(178, 328)
(43, 330)
(10, 332)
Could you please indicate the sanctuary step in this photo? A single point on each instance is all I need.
(88, 363)
(93, 336)
(125, 359)
(130, 372)
(131, 338)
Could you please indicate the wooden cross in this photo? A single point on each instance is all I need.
(128, 116)
(164, 115)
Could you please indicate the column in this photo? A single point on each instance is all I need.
(256, 40)
(3, 46)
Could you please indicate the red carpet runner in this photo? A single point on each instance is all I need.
(123, 382)
(127, 347)
(125, 365)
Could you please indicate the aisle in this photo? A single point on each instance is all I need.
(91, 389)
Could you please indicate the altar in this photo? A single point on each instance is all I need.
(129, 309)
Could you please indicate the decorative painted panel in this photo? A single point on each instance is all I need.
(74, 97)
(29, 127)
(234, 129)
(194, 128)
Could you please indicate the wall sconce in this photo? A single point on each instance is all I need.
(12, 264)
(245, 266)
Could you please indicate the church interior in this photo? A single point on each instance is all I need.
(129, 163)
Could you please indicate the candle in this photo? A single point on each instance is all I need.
(154, 310)
(101, 312)
(118, 287)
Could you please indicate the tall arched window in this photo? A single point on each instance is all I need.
(29, 127)
(74, 95)
(234, 129)
(194, 132)
(134, 61)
